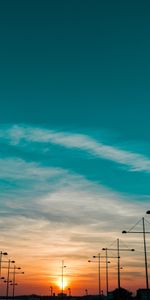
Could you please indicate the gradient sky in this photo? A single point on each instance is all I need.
(74, 137)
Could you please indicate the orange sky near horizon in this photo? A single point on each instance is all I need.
(78, 276)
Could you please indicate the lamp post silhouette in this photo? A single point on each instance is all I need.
(118, 257)
(15, 271)
(8, 273)
(62, 277)
(99, 256)
(51, 290)
(13, 285)
(69, 292)
(86, 292)
(106, 258)
(1, 255)
(99, 272)
(144, 243)
(1, 261)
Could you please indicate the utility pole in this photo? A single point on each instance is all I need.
(118, 257)
(143, 232)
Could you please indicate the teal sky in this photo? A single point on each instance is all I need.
(74, 116)
(67, 63)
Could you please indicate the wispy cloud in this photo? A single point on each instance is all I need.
(45, 208)
(23, 134)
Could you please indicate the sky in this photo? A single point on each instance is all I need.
(74, 139)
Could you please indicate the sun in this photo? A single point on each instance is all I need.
(59, 283)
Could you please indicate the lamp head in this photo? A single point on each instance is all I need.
(124, 231)
(148, 212)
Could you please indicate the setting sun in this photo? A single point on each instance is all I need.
(65, 283)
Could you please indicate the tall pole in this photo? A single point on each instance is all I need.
(0, 263)
(99, 275)
(106, 272)
(62, 278)
(1, 258)
(145, 254)
(118, 255)
(8, 273)
(7, 286)
(99, 270)
(14, 279)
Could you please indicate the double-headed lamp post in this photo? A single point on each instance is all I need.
(118, 249)
(8, 273)
(1, 255)
(99, 256)
(106, 257)
(99, 272)
(62, 277)
(15, 271)
(144, 242)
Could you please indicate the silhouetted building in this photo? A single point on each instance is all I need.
(62, 295)
(143, 294)
(120, 294)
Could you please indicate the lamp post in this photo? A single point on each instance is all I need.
(1, 255)
(62, 278)
(13, 285)
(99, 272)
(144, 243)
(86, 292)
(69, 292)
(118, 257)
(99, 256)
(106, 257)
(51, 290)
(8, 273)
(14, 278)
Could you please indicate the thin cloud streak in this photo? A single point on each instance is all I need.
(70, 214)
(134, 161)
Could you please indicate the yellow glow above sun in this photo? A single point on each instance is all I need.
(59, 283)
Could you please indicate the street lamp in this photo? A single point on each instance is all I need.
(144, 242)
(99, 272)
(14, 278)
(99, 256)
(63, 266)
(106, 257)
(69, 292)
(1, 255)
(86, 292)
(118, 257)
(8, 273)
(51, 289)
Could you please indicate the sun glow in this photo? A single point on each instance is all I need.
(65, 283)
